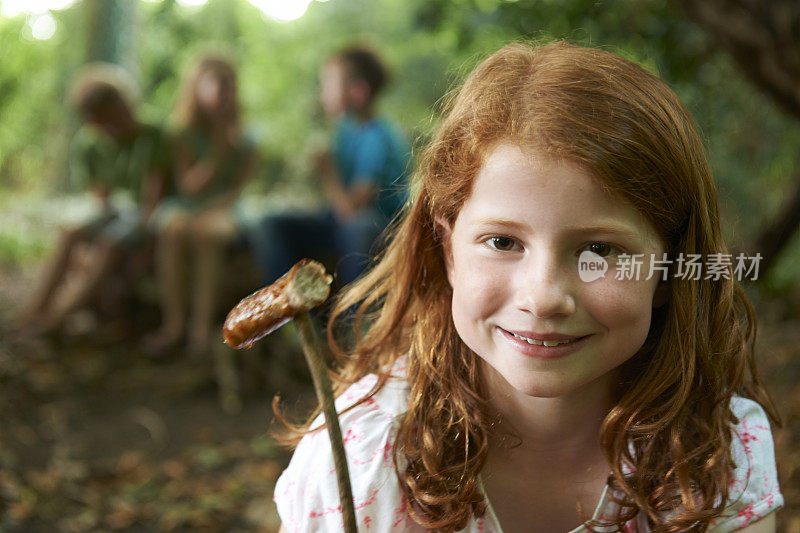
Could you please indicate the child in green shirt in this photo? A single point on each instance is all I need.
(112, 153)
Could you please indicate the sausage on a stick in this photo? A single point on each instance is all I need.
(304, 287)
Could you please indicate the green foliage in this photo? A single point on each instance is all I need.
(25, 230)
(33, 77)
(17, 249)
(430, 45)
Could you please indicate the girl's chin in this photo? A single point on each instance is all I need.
(526, 382)
(542, 390)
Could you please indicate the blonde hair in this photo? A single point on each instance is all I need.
(608, 114)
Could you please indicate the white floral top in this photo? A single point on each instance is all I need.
(307, 495)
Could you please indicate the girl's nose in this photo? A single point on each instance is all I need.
(545, 288)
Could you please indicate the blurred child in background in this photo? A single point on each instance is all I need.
(114, 154)
(214, 159)
(362, 174)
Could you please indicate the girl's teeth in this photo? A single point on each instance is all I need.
(549, 344)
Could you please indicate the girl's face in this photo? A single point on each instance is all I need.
(512, 260)
(209, 91)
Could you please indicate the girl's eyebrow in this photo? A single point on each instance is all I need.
(500, 222)
(609, 228)
(622, 231)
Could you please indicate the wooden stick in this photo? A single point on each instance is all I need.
(304, 287)
(322, 385)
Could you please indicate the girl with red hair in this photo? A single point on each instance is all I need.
(495, 380)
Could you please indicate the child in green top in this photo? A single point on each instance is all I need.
(113, 153)
(213, 161)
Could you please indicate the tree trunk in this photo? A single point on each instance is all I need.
(763, 37)
(110, 35)
(779, 232)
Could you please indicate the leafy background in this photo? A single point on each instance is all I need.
(430, 46)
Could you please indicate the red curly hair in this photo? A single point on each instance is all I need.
(630, 130)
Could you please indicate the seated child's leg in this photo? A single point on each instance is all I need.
(279, 241)
(122, 232)
(171, 244)
(210, 235)
(354, 240)
(53, 275)
(106, 256)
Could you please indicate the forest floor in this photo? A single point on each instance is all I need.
(96, 437)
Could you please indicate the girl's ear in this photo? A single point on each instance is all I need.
(661, 296)
(444, 234)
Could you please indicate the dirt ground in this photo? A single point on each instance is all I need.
(95, 437)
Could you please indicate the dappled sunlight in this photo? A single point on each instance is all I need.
(12, 8)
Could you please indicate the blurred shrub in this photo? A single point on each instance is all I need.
(430, 45)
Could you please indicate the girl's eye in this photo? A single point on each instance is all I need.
(502, 244)
(602, 248)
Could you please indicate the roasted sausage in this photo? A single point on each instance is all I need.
(305, 286)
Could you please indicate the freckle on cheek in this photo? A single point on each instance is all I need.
(620, 306)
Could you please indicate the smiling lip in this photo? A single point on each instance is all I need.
(544, 352)
(544, 336)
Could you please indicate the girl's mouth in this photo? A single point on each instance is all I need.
(551, 349)
(549, 344)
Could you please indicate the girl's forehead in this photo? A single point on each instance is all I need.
(510, 151)
(546, 192)
(508, 168)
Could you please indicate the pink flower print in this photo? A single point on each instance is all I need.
(368, 501)
(400, 512)
(733, 483)
(328, 510)
(399, 368)
(369, 401)
(383, 452)
(338, 508)
(747, 512)
(351, 435)
(747, 438)
(747, 435)
(387, 454)
(367, 521)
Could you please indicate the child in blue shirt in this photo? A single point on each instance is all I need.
(362, 175)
